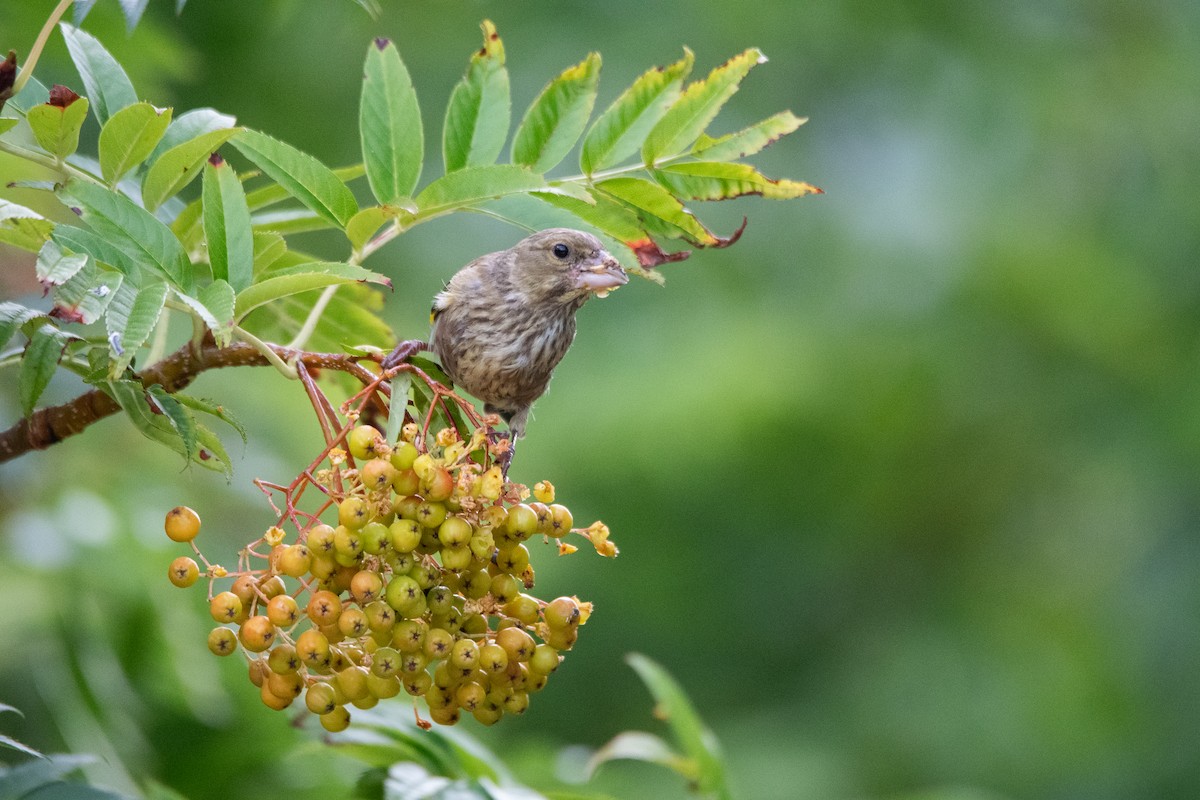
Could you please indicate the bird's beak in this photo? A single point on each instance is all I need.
(603, 276)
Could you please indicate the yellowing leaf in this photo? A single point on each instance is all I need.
(557, 117)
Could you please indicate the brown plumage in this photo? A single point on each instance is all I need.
(505, 320)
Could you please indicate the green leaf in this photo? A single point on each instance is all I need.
(87, 294)
(25, 233)
(558, 116)
(389, 121)
(25, 779)
(473, 185)
(42, 354)
(34, 94)
(227, 225)
(274, 193)
(107, 85)
(640, 746)
(80, 240)
(131, 396)
(131, 317)
(132, 230)
(605, 214)
(399, 403)
(213, 409)
(722, 180)
(215, 306)
(269, 247)
(697, 106)
(56, 128)
(747, 141)
(304, 177)
(178, 415)
(191, 124)
(177, 167)
(351, 316)
(658, 209)
(480, 108)
(12, 744)
(290, 220)
(363, 224)
(7, 124)
(129, 137)
(54, 268)
(622, 128)
(302, 278)
(694, 738)
(12, 317)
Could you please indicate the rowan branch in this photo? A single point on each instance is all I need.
(48, 426)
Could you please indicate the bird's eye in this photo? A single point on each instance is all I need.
(561, 250)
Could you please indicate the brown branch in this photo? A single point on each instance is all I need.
(48, 426)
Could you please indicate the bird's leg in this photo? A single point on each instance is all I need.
(402, 352)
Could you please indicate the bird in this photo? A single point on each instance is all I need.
(504, 321)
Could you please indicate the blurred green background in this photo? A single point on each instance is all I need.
(905, 483)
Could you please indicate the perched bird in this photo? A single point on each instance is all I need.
(505, 320)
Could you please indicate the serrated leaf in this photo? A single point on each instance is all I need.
(107, 85)
(363, 224)
(131, 396)
(475, 184)
(42, 354)
(604, 214)
(57, 128)
(558, 116)
(54, 268)
(304, 177)
(10, 210)
(86, 295)
(658, 209)
(132, 315)
(25, 233)
(177, 167)
(274, 193)
(215, 306)
(81, 240)
(209, 407)
(389, 121)
(722, 180)
(129, 137)
(696, 107)
(302, 278)
(480, 108)
(12, 317)
(134, 231)
(178, 415)
(694, 738)
(191, 124)
(227, 227)
(269, 247)
(747, 141)
(622, 128)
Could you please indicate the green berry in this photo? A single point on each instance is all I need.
(403, 455)
(385, 662)
(383, 688)
(294, 560)
(283, 659)
(336, 720)
(405, 535)
(222, 641)
(562, 612)
(374, 537)
(454, 532)
(545, 659)
(353, 512)
(365, 442)
(320, 698)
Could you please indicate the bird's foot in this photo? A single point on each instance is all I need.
(402, 352)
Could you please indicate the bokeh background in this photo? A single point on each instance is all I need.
(905, 483)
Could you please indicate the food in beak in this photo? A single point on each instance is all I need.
(602, 277)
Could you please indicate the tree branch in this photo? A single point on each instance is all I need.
(48, 426)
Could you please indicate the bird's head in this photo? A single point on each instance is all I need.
(565, 265)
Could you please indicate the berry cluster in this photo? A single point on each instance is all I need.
(419, 585)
